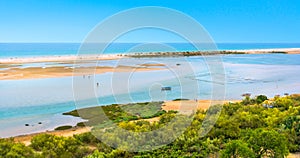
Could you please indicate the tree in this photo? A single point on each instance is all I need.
(283, 102)
(97, 154)
(8, 148)
(227, 127)
(292, 127)
(268, 143)
(55, 146)
(247, 100)
(237, 149)
(261, 98)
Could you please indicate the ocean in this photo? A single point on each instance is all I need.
(15, 50)
(32, 101)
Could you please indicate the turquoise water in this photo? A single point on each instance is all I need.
(43, 100)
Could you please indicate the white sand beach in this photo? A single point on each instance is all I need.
(262, 51)
(65, 58)
(83, 58)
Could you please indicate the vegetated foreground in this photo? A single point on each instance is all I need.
(255, 127)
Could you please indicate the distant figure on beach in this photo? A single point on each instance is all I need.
(97, 84)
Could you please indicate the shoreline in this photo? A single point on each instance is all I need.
(87, 57)
(16, 73)
(59, 58)
(72, 65)
(26, 138)
(185, 107)
(62, 71)
(267, 51)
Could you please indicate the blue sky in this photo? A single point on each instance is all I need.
(259, 21)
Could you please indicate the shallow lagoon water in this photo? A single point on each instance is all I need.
(43, 100)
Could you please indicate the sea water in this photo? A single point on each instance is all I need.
(17, 50)
(44, 100)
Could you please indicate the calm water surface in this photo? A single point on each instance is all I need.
(43, 100)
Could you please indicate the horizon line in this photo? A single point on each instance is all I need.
(150, 42)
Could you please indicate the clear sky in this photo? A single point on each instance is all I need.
(257, 21)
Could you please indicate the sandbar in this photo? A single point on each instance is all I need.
(17, 73)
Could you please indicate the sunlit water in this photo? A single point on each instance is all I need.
(44, 100)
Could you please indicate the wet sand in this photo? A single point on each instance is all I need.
(16, 73)
(11, 68)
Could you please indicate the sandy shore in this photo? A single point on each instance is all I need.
(16, 73)
(187, 107)
(264, 51)
(11, 68)
(83, 58)
(66, 133)
(183, 106)
(64, 66)
(66, 58)
(190, 106)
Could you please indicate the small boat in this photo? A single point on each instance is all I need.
(166, 88)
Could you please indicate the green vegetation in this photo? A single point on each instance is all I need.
(179, 99)
(144, 110)
(256, 127)
(257, 100)
(54, 146)
(63, 128)
(118, 113)
(80, 124)
(279, 52)
(186, 53)
(237, 148)
(8, 148)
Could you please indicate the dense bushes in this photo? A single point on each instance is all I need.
(118, 113)
(237, 148)
(246, 129)
(63, 128)
(55, 146)
(8, 148)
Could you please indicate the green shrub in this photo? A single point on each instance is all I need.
(62, 128)
(55, 146)
(9, 148)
